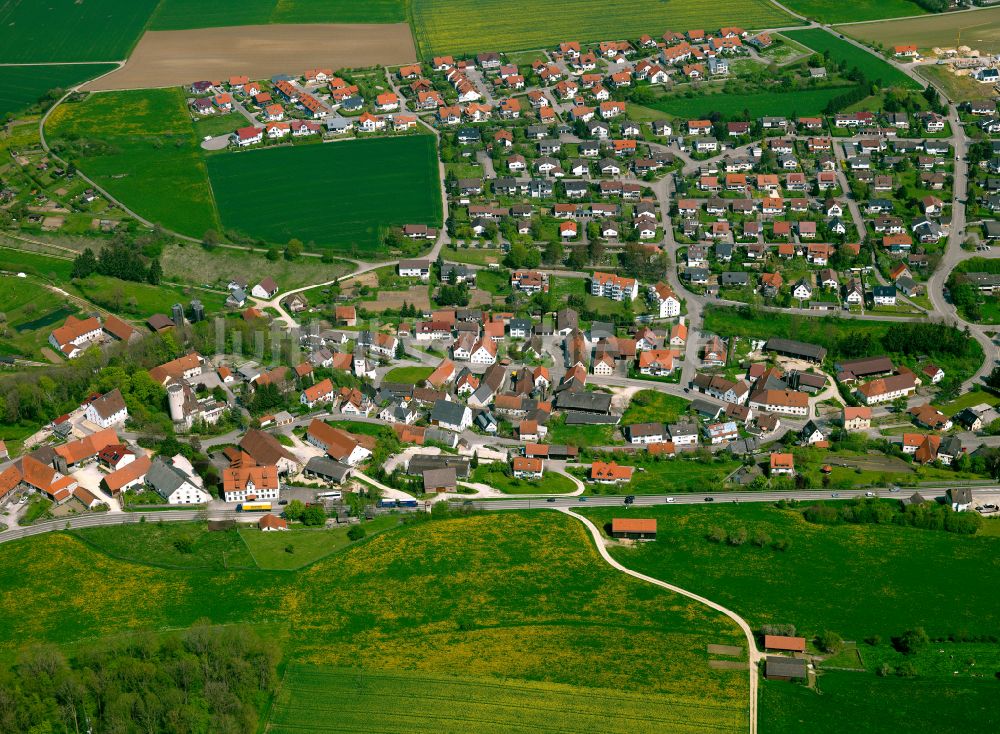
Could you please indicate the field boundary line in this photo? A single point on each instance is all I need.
(753, 653)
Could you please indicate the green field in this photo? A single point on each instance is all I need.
(314, 699)
(141, 147)
(829, 11)
(874, 705)
(858, 580)
(22, 86)
(30, 313)
(408, 375)
(52, 268)
(141, 299)
(471, 26)
(653, 406)
(298, 547)
(173, 15)
(32, 31)
(173, 545)
(873, 67)
(750, 105)
(342, 194)
(550, 483)
(502, 596)
(979, 30)
(679, 475)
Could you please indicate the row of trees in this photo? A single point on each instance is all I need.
(869, 511)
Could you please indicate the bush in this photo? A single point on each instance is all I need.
(356, 532)
(716, 534)
(829, 641)
(911, 641)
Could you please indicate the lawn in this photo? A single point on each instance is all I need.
(270, 551)
(873, 67)
(141, 147)
(172, 545)
(858, 580)
(652, 406)
(506, 596)
(750, 105)
(581, 434)
(828, 11)
(408, 375)
(33, 31)
(979, 30)
(471, 26)
(967, 400)
(343, 195)
(317, 699)
(173, 15)
(679, 475)
(472, 256)
(31, 312)
(874, 705)
(550, 483)
(141, 299)
(22, 86)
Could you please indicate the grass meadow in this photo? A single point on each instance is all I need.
(32, 31)
(857, 580)
(22, 86)
(750, 105)
(874, 705)
(830, 11)
(314, 699)
(141, 299)
(175, 15)
(500, 596)
(298, 547)
(140, 146)
(652, 406)
(339, 195)
(473, 26)
(550, 483)
(873, 67)
(34, 263)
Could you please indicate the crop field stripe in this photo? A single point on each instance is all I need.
(873, 66)
(468, 26)
(341, 697)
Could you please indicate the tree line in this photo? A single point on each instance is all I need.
(119, 259)
(203, 680)
(869, 511)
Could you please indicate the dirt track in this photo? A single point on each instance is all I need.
(175, 58)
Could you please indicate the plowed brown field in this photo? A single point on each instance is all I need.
(175, 58)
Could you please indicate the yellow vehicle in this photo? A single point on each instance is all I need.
(253, 507)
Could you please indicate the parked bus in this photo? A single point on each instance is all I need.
(387, 503)
(335, 495)
(253, 507)
(407, 503)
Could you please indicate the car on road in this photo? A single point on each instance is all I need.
(893, 489)
(835, 494)
(282, 502)
(581, 499)
(629, 499)
(710, 499)
(551, 499)
(670, 499)
(869, 494)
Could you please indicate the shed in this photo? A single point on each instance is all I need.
(440, 480)
(782, 668)
(785, 644)
(633, 528)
